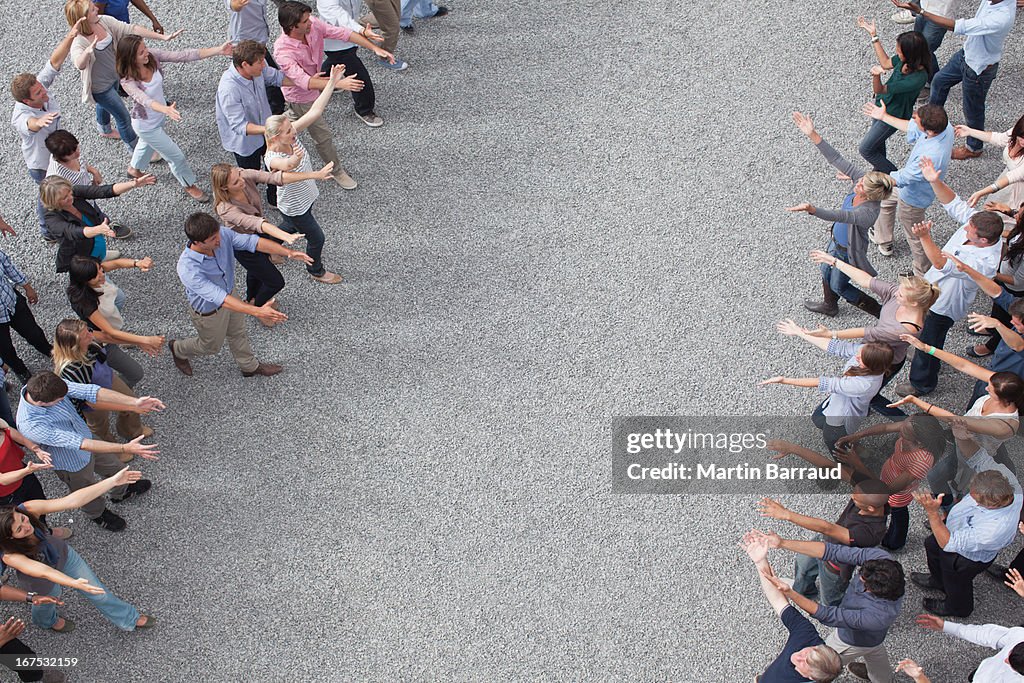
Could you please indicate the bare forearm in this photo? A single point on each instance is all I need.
(820, 526)
(860, 277)
(899, 124)
(808, 548)
(933, 252)
(253, 129)
(12, 594)
(266, 246)
(233, 303)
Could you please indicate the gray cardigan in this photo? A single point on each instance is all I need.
(860, 218)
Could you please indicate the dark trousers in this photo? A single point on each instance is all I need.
(24, 323)
(956, 574)
(880, 404)
(308, 226)
(5, 409)
(254, 162)
(980, 389)
(365, 99)
(899, 524)
(16, 648)
(1003, 316)
(974, 87)
(924, 369)
(830, 433)
(1018, 562)
(262, 278)
(274, 95)
(933, 35)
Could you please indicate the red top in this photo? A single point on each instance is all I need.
(11, 458)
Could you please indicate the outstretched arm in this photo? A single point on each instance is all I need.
(317, 109)
(878, 113)
(861, 278)
(757, 551)
(962, 364)
(81, 497)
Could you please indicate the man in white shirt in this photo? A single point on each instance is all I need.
(978, 243)
(36, 114)
(1007, 666)
(975, 65)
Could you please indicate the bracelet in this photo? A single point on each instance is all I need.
(135, 263)
(874, 39)
(30, 596)
(931, 350)
(929, 410)
(995, 187)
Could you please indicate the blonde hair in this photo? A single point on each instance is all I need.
(823, 664)
(75, 10)
(273, 127)
(67, 345)
(878, 186)
(219, 175)
(50, 191)
(920, 293)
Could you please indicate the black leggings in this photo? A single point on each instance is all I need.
(262, 278)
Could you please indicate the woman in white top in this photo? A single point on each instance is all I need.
(93, 55)
(1007, 188)
(143, 80)
(66, 162)
(295, 201)
(849, 395)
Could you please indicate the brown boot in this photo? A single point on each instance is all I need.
(868, 305)
(828, 306)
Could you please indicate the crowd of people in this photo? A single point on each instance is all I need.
(81, 419)
(952, 466)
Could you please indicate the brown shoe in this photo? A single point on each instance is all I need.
(181, 363)
(328, 278)
(964, 152)
(264, 369)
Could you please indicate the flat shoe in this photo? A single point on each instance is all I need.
(974, 354)
(150, 621)
(69, 626)
(62, 532)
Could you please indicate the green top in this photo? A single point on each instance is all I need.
(901, 90)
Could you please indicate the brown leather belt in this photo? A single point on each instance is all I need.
(207, 315)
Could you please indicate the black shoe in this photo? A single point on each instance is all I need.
(442, 11)
(110, 521)
(938, 608)
(997, 571)
(983, 333)
(120, 231)
(858, 669)
(134, 489)
(410, 29)
(925, 580)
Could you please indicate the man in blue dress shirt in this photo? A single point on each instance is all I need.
(207, 269)
(976, 529)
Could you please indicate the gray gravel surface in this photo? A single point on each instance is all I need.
(573, 212)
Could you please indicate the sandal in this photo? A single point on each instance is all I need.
(150, 621)
(972, 352)
(62, 532)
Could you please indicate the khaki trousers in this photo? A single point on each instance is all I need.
(103, 464)
(908, 215)
(129, 425)
(876, 658)
(213, 330)
(387, 13)
(321, 133)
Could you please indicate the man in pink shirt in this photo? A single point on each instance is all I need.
(299, 51)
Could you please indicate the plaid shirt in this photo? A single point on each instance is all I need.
(59, 429)
(8, 296)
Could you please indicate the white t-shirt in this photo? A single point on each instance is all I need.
(154, 119)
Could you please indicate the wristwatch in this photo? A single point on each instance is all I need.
(29, 597)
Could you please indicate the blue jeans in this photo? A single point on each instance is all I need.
(811, 569)
(975, 90)
(933, 35)
(872, 147)
(924, 369)
(308, 226)
(109, 104)
(119, 612)
(37, 176)
(157, 140)
(421, 9)
(837, 280)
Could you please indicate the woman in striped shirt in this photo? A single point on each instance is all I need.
(78, 358)
(922, 441)
(295, 201)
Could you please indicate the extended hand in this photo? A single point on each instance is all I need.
(804, 123)
(978, 322)
(877, 113)
(929, 621)
(922, 229)
(148, 404)
(146, 451)
(126, 476)
(268, 314)
(6, 229)
(301, 256)
(86, 587)
(806, 207)
(931, 504)
(928, 169)
(868, 26)
(326, 172)
(772, 380)
(781, 448)
(772, 508)
(1015, 581)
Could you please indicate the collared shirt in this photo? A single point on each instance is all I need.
(994, 669)
(301, 60)
(986, 33)
(979, 533)
(241, 101)
(944, 8)
(913, 188)
(862, 619)
(33, 144)
(59, 429)
(9, 276)
(340, 13)
(249, 23)
(958, 289)
(209, 279)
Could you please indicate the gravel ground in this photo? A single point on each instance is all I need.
(545, 236)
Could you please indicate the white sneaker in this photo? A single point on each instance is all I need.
(904, 16)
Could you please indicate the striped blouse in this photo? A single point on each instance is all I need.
(917, 463)
(295, 199)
